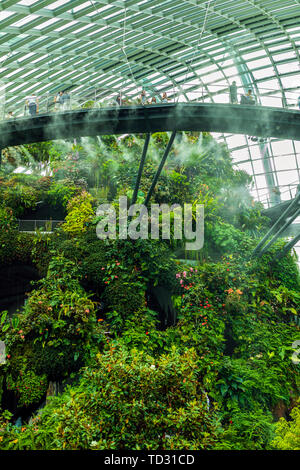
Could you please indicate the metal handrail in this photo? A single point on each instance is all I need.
(35, 224)
(47, 105)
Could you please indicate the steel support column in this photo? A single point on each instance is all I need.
(142, 162)
(161, 165)
(294, 204)
(287, 248)
(280, 231)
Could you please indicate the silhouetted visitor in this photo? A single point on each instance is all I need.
(164, 98)
(143, 97)
(153, 100)
(233, 93)
(33, 104)
(66, 99)
(119, 99)
(247, 98)
(58, 100)
(276, 192)
(10, 115)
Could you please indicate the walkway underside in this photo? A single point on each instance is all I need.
(251, 120)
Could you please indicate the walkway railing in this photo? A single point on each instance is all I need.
(41, 225)
(214, 94)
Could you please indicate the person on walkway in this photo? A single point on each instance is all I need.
(32, 103)
(119, 99)
(233, 93)
(164, 98)
(10, 115)
(299, 102)
(66, 99)
(248, 98)
(58, 101)
(143, 97)
(153, 100)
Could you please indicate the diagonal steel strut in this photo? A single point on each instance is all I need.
(142, 162)
(159, 169)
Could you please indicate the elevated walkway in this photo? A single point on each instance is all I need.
(260, 121)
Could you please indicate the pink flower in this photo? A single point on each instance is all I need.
(181, 281)
(191, 269)
(87, 310)
(184, 273)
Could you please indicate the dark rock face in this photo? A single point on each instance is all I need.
(14, 283)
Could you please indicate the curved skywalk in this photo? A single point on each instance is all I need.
(260, 121)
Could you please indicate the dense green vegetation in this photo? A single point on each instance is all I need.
(154, 347)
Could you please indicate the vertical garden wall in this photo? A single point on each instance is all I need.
(151, 346)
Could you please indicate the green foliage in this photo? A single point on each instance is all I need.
(80, 212)
(54, 331)
(277, 272)
(246, 384)
(287, 435)
(225, 238)
(7, 221)
(8, 235)
(128, 401)
(61, 193)
(20, 197)
(39, 151)
(247, 431)
(28, 386)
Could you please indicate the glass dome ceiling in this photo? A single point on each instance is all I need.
(192, 49)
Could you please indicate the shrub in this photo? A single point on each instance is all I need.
(61, 192)
(287, 435)
(20, 198)
(247, 431)
(128, 400)
(28, 387)
(80, 212)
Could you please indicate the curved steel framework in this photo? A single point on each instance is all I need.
(195, 47)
